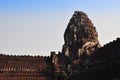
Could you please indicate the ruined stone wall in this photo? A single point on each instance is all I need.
(110, 50)
(24, 67)
(104, 64)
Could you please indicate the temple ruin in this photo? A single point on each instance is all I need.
(81, 58)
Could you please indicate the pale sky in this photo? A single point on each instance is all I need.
(36, 27)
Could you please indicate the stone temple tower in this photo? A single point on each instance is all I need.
(80, 36)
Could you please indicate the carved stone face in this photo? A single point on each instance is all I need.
(80, 34)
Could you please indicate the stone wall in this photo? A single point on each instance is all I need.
(25, 67)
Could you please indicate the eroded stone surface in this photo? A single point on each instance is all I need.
(80, 36)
